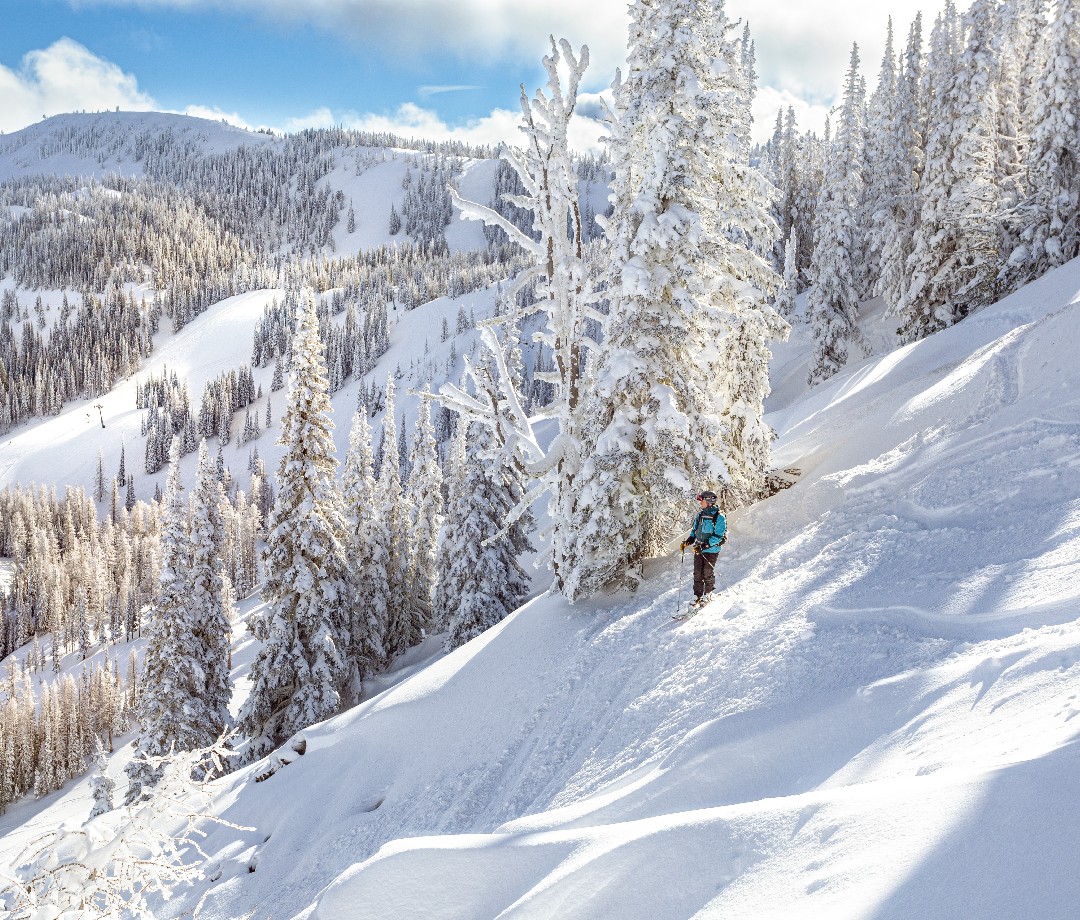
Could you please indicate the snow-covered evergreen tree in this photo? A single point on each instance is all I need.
(737, 214)
(1031, 43)
(882, 169)
(1008, 40)
(300, 671)
(1051, 218)
(99, 478)
(894, 219)
(833, 301)
(424, 503)
(368, 552)
(102, 785)
(483, 573)
(687, 292)
(208, 597)
(169, 712)
(954, 261)
(390, 506)
(445, 602)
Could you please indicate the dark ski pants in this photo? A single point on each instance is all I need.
(704, 573)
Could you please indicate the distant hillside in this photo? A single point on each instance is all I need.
(155, 218)
(252, 175)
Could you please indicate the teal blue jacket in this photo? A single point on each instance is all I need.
(708, 530)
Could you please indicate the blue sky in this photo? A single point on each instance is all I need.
(436, 67)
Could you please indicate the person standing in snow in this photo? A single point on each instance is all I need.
(706, 535)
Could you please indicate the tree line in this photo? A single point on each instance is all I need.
(948, 187)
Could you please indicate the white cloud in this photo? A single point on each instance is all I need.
(802, 47)
(496, 29)
(65, 77)
(769, 101)
(410, 120)
(802, 53)
(213, 113)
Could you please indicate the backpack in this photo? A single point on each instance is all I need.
(713, 516)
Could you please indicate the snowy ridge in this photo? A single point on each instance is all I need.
(822, 752)
(883, 725)
(98, 144)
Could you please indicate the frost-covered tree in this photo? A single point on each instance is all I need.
(102, 784)
(686, 288)
(1051, 218)
(368, 549)
(445, 603)
(799, 183)
(99, 478)
(300, 671)
(483, 574)
(789, 288)
(1008, 40)
(737, 215)
(424, 503)
(169, 712)
(558, 280)
(954, 261)
(209, 597)
(390, 506)
(126, 862)
(882, 168)
(833, 301)
(896, 212)
(1030, 45)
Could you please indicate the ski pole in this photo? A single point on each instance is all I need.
(678, 594)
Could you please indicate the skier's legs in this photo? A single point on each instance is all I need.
(699, 575)
(708, 566)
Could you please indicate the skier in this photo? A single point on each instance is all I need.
(707, 535)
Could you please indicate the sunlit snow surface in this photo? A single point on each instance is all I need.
(883, 724)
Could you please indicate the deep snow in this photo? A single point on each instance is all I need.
(882, 725)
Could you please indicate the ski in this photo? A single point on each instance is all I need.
(692, 611)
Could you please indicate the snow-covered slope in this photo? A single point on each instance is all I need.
(882, 724)
(878, 719)
(63, 449)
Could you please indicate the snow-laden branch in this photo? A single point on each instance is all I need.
(120, 862)
(563, 299)
(471, 210)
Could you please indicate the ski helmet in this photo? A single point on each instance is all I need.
(707, 496)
